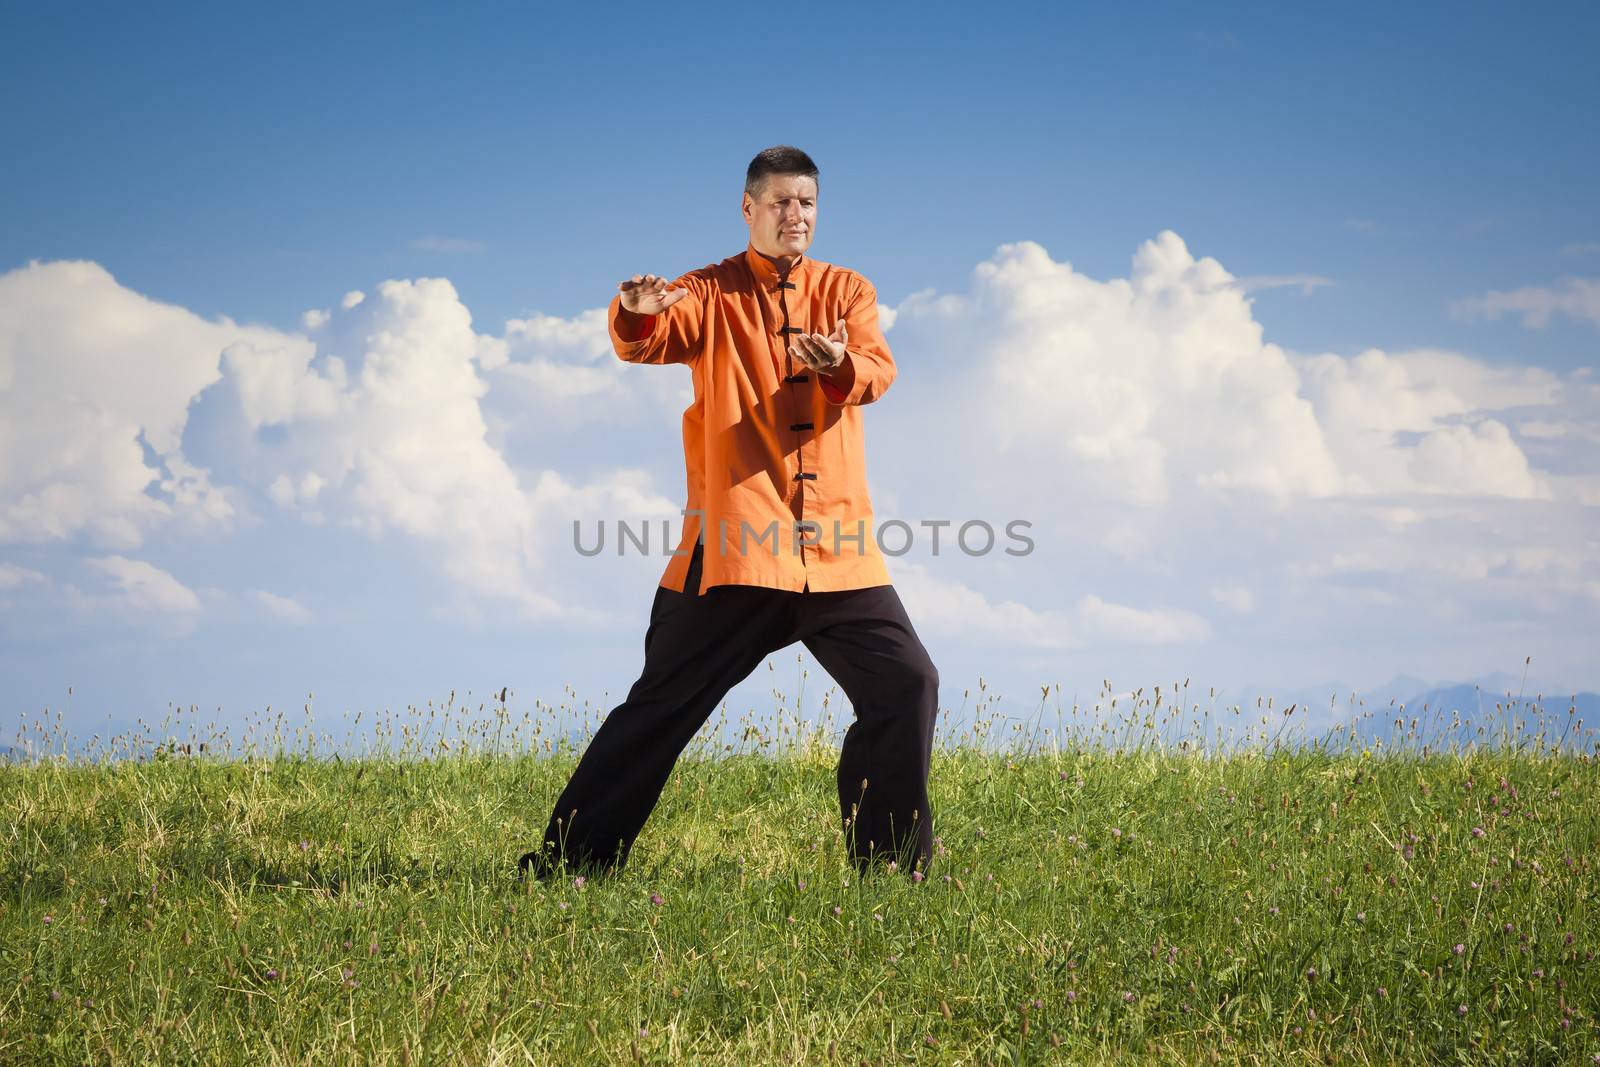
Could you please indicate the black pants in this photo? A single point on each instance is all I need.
(696, 648)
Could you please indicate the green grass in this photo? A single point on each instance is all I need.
(1143, 899)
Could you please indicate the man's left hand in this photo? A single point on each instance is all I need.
(825, 355)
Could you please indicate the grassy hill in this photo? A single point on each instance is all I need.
(1133, 900)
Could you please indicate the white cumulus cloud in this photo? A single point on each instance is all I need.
(95, 384)
(282, 608)
(1236, 598)
(945, 604)
(14, 576)
(145, 587)
(371, 418)
(1576, 298)
(1169, 454)
(384, 429)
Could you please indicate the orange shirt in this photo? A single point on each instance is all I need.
(768, 444)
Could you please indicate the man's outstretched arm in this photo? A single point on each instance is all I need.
(651, 322)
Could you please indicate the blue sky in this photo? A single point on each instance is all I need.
(1369, 178)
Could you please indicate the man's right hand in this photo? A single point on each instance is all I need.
(647, 294)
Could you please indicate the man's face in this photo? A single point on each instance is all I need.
(783, 217)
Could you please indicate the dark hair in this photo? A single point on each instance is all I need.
(779, 159)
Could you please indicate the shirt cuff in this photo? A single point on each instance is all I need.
(631, 326)
(840, 386)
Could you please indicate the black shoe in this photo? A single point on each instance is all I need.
(537, 865)
(544, 864)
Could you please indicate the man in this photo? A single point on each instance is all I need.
(778, 539)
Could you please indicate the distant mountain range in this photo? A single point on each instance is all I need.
(1494, 707)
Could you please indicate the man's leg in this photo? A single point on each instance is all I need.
(863, 638)
(696, 649)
